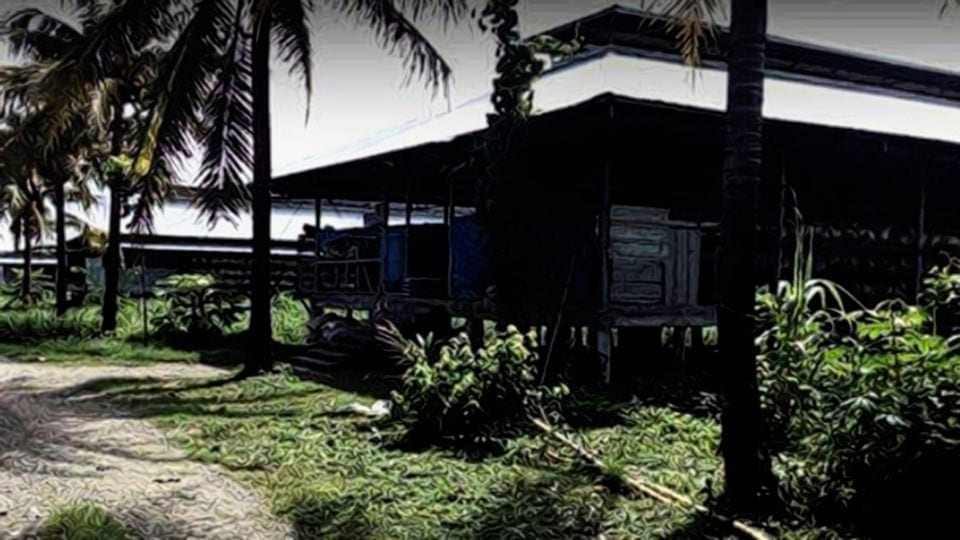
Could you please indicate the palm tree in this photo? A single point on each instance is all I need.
(30, 177)
(63, 105)
(220, 64)
(21, 201)
(746, 469)
(741, 420)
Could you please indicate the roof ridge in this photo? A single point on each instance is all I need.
(787, 58)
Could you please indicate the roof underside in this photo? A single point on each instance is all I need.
(675, 140)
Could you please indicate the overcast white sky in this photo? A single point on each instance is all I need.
(357, 84)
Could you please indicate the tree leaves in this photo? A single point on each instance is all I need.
(692, 22)
(399, 35)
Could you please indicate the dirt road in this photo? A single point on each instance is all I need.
(56, 450)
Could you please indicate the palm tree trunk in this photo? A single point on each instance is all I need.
(111, 257)
(744, 466)
(261, 358)
(26, 284)
(61, 230)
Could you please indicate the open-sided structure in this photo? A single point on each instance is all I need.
(629, 191)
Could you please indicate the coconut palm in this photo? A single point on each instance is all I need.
(22, 203)
(66, 115)
(211, 90)
(214, 92)
(746, 469)
(29, 178)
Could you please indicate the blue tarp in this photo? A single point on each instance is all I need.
(471, 264)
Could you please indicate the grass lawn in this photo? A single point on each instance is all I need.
(336, 475)
(94, 351)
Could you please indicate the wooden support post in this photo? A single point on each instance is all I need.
(384, 229)
(318, 213)
(450, 214)
(781, 223)
(601, 343)
(697, 348)
(639, 350)
(921, 237)
(407, 222)
(679, 346)
(602, 335)
(318, 223)
(476, 332)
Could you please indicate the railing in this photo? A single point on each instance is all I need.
(342, 265)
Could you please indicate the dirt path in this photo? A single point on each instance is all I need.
(55, 451)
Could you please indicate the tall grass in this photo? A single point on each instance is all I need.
(859, 403)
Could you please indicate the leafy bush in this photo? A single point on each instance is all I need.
(41, 323)
(453, 391)
(940, 296)
(857, 403)
(797, 323)
(291, 320)
(41, 291)
(195, 307)
(85, 521)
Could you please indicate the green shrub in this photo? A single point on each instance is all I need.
(84, 521)
(794, 342)
(453, 391)
(195, 307)
(41, 323)
(41, 291)
(856, 403)
(291, 319)
(940, 296)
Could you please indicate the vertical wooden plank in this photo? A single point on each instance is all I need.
(318, 223)
(384, 229)
(407, 221)
(602, 335)
(921, 234)
(693, 272)
(602, 347)
(449, 215)
(781, 223)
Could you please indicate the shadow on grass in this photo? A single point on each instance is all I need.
(548, 505)
(370, 384)
(343, 518)
(701, 526)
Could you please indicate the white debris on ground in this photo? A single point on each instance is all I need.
(56, 451)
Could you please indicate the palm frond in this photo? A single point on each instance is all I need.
(185, 81)
(447, 11)
(102, 52)
(290, 28)
(692, 21)
(19, 87)
(228, 138)
(38, 35)
(399, 35)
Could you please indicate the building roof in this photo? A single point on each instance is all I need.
(631, 53)
(626, 127)
(641, 33)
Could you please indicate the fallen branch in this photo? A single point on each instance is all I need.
(645, 487)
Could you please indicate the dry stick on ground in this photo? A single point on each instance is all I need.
(645, 487)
